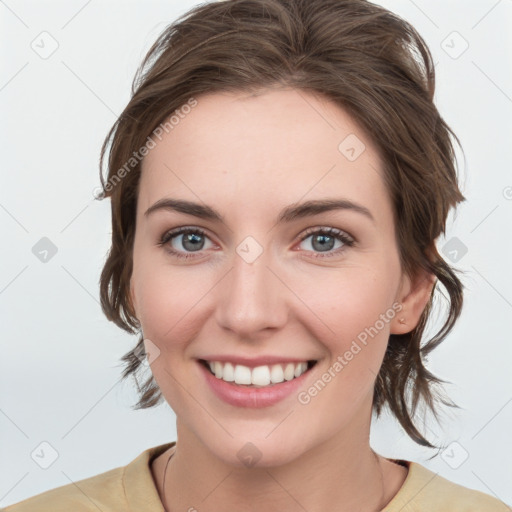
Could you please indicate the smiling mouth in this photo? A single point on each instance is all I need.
(260, 376)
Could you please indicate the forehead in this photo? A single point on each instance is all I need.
(251, 151)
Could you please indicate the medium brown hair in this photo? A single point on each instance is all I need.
(354, 53)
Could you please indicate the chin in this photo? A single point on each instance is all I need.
(256, 451)
(254, 455)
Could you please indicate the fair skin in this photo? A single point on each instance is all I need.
(248, 157)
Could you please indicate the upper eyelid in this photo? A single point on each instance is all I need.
(335, 232)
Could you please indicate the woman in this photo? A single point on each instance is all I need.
(278, 183)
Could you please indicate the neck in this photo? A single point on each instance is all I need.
(341, 474)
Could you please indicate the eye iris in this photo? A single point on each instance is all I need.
(193, 238)
(323, 245)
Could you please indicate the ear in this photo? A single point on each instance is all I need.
(413, 295)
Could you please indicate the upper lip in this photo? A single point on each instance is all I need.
(253, 362)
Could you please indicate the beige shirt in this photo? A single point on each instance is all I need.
(132, 488)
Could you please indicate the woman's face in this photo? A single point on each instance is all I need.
(246, 289)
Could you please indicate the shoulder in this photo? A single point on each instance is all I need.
(98, 492)
(129, 487)
(427, 491)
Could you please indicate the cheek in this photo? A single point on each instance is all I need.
(168, 303)
(355, 309)
(351, 299)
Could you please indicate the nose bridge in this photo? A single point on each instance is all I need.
(252, 297)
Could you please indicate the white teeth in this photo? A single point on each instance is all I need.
(259, 376)
(300, 369)
(276, 374)
(242, 374)
(228, 373)
(289, 371)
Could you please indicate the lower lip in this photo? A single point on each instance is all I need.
(243, 396)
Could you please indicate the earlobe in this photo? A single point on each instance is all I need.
(413, 298)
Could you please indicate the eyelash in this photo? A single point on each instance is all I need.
(333, 232)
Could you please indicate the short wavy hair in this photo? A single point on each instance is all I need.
(356, 54)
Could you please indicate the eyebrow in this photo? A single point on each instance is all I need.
(288, 214)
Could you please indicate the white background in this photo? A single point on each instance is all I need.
(60, 369)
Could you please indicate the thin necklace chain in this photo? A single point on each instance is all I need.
(163, 483)
(381, 501)
(383, 494)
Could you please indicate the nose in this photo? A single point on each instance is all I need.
(253, 298)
